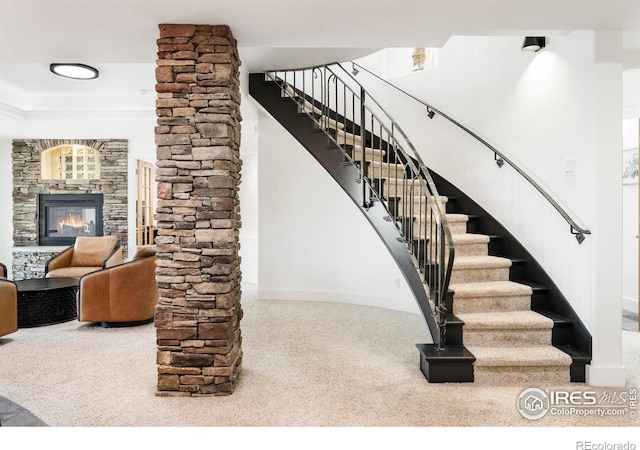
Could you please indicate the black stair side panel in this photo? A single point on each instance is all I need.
(573, 333)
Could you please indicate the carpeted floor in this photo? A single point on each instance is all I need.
(306, 364)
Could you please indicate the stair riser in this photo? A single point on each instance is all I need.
(329, 124)
(461, 250)
(464, 305)
(425, 229)
(419, 207)
(369, 154)
(523, 376)
(506, 338)
(471, 249)
(393, 189)
(423, 213)
(383, 170)
(477, 275)
(343, 138)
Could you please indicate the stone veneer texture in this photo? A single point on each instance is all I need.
(27, 185)
(198, 215)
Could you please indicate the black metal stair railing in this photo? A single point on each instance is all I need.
(390, 171)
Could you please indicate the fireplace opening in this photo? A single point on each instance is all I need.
(63, 217)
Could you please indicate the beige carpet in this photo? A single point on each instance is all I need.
(305, 364)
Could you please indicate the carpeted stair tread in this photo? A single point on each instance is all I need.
(455, 217)
(452, 219)
(490, 289)
(457, 224)
(326, 122)
(468, 244)
(490, 296)
(344, 137)
(369, 154)
(378, 169)
(477, 268)
(508, 320)
(471, 262)
(394, 186)
(469, 238)
(419, 204)
(536, 356)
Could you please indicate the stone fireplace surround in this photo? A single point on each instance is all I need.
(29, 257)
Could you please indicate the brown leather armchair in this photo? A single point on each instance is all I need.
(88, 254)
(122, 295)
(8, 303)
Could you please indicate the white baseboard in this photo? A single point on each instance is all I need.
(605, 376)
(339, 297)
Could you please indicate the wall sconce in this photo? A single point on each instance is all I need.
(533, 44)
(74, 70)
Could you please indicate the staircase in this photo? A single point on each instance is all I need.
(493, 313)
(538, 332)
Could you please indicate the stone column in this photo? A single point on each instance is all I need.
(198, 214)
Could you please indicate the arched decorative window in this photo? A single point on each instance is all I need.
(70, 162)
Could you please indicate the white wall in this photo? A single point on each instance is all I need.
(249, 189)
(314, 242)
(630, 223)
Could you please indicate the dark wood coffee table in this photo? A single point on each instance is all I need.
(45, 301)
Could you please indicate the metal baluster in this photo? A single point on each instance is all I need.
(362, 135)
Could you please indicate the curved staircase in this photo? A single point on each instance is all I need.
(499, 319)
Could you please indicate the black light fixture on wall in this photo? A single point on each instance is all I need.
(76, 71)
(533, 44)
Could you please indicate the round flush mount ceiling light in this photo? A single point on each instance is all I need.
(74, 70)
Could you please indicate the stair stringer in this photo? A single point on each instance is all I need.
(569, 334)
(346, 174)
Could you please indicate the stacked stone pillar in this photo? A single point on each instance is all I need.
(198, 214)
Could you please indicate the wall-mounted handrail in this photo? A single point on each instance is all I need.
(578, 231)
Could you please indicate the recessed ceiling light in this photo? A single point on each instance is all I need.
(74, 70)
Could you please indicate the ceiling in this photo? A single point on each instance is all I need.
(119, 37)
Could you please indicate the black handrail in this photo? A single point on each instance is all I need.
(500, 158)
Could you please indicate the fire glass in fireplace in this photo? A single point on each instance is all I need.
(63, 217)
